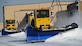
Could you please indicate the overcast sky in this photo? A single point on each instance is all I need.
(10, 2)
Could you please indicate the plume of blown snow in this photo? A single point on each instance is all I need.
(72, 34)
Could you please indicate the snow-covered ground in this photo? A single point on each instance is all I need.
(69, 38)
(75, 34)
(21, 35)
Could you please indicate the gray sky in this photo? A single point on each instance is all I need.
(14, 2)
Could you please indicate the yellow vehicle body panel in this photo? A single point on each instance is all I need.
(31, 17)
(10, 25)
(42, 21)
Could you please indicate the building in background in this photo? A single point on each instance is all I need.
(1, 26)
(19, 11)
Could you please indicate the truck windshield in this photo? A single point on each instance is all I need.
(10, 21)
(42, 13)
